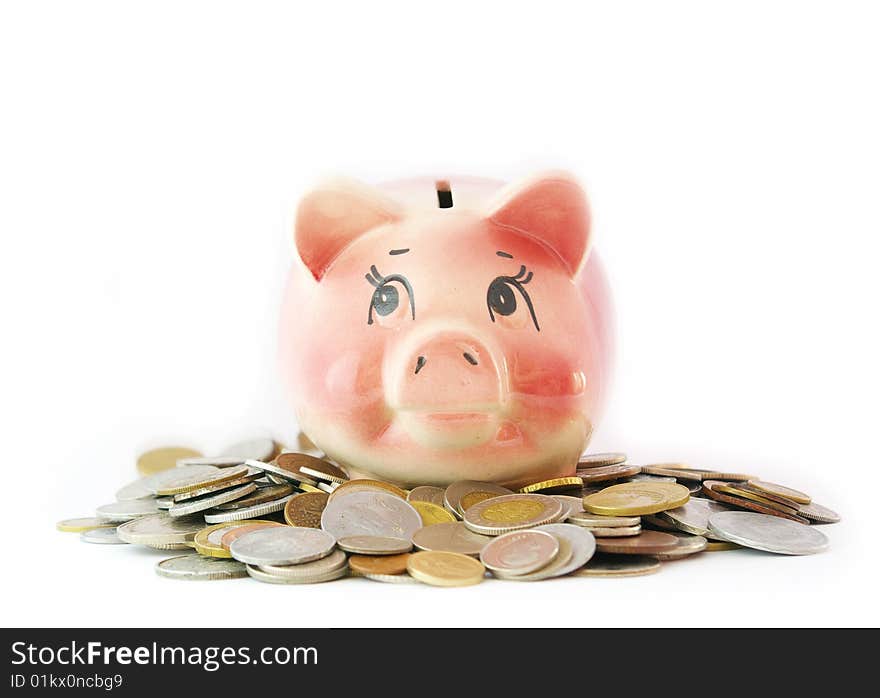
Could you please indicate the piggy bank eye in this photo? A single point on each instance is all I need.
(501, 295)
(385, 299)
(386, 296)
(501, 298)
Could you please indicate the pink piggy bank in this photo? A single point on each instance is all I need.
(442, 331)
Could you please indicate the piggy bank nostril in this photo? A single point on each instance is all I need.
(470, 359)
(420, 363)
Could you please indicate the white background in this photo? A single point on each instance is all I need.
(151, 157)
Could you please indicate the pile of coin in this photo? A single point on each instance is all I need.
(287, 517)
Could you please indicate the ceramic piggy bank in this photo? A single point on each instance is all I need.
(441, 331)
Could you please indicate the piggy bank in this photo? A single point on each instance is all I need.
(442, 331)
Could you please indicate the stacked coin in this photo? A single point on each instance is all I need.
(284, 517)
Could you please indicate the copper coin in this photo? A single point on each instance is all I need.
(656, 521)
(322, 470)
(818, 514)
(787, 492)
(379, 564)
(709, 491)
(618, 566)
(234, 534)
(646, 543)
(736, 491)
(603, 473)
(677, 473)
(687, 545)
(599, 460)
(305, 509)
(745, 486)
(289, 465)
(267, 493)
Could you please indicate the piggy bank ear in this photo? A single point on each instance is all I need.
(551, 208)
(332, 216)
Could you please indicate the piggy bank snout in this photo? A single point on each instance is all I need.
(446, 371)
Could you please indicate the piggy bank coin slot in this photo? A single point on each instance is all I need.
(444, 194)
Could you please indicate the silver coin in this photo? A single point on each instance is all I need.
(318, 567)
(199, 567)
(403, 578)
(102, 536)
(253, 512)
(687, 545)
(451, 538)
(216, 461)
(256, 449)
(817, 513)
(644, 477)
(562, 560)
(575, 505)
(585, 518)
(160, 529)
(772, 534)
(282, 545)
(277, 474)
(583, 544)
(520, 552)
(262, 576)
(134, 490)
(192, 506)
(693, 516)
(370, 513)
(164, 503)
(120, 512)
(327, 487)
(374, 545)
(616, 532)
(180, 477)
(426, 493)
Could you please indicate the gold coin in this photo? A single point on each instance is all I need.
(207, 541)
(379, 564)
(512, 512)
(305, 509)
(432, 514)
(445, 569)
(557, 484)
(714, 546)
(780, 491)
(191, 479)
(598, 460)
(305, 487)
(471, 498)
(636, 498)
(84, 524)
(160, 459)
(365, 484)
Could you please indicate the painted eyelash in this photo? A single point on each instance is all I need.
(521, 273)
(378, 281)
